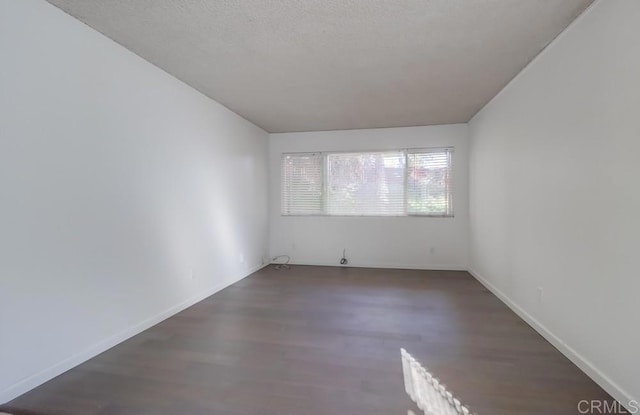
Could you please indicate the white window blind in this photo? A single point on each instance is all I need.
(429, 182)
(302, 184)
(386, 183)
(366, 184)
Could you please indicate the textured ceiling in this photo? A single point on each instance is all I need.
(301, 65)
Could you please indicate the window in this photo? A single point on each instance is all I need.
(383, 183)
(429, 183)
(369, 184)
(302, 184)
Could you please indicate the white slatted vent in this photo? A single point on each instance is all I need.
(427, 392)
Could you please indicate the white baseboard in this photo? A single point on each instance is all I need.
(49, 373)
(435, 267)
(585, 365)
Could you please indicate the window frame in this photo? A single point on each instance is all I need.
(405, 151)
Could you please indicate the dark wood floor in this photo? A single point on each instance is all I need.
(323, 340)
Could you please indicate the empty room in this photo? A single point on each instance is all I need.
(345, 207)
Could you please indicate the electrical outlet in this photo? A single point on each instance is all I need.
(432, 250)
(241, 258)
(540, 295)
(193, 273)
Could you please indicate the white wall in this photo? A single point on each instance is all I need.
(397, 242)
(554, 201)
(116, 180)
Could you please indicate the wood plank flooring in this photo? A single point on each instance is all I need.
(324, 340)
